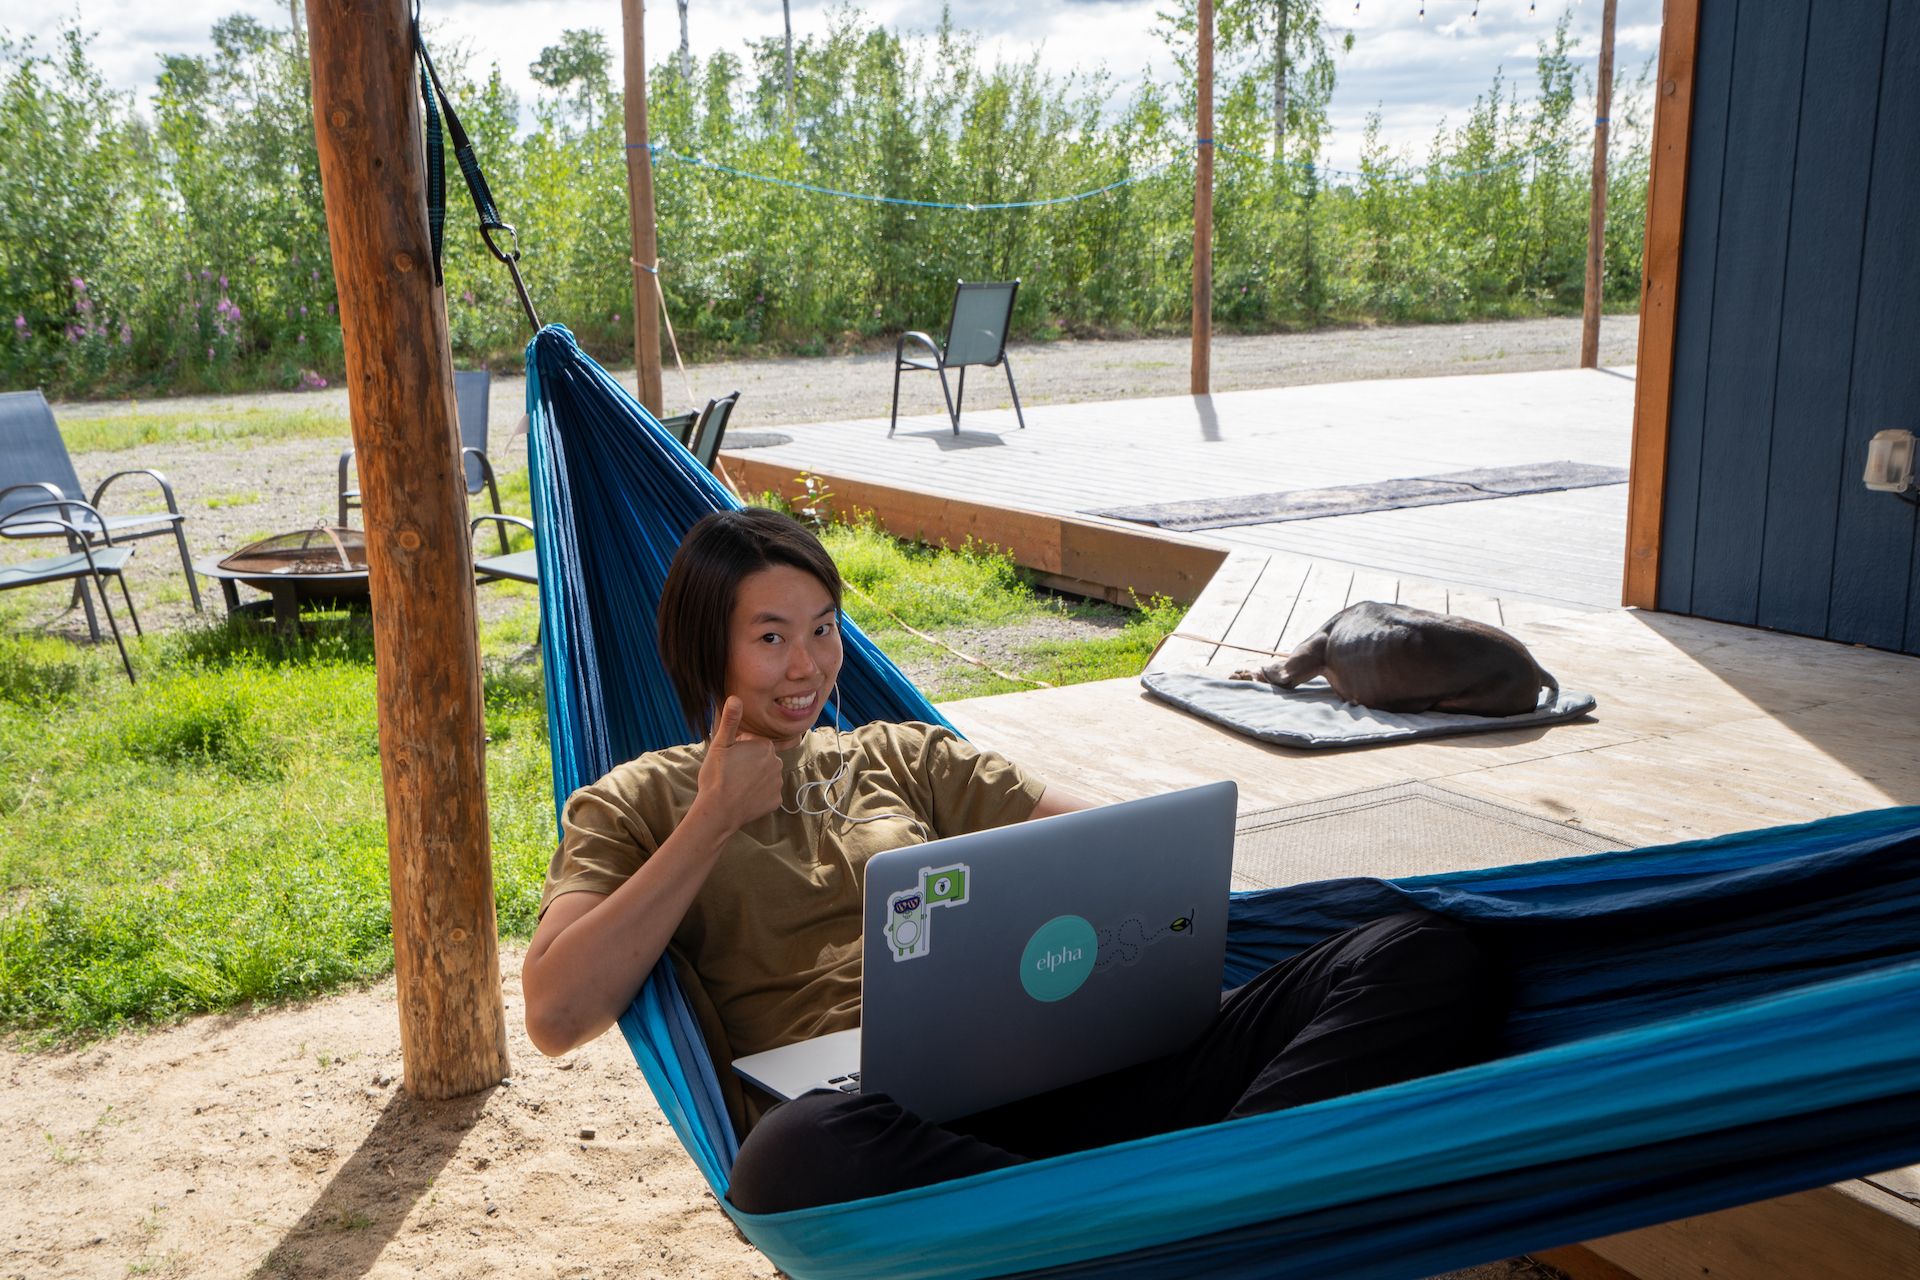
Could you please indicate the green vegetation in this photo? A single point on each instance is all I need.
(180, 243)
(973, 595)
(215, 835)
(132, 430)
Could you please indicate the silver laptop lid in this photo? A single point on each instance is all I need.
(1007, 962)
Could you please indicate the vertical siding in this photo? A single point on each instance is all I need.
(1798, 329)
(1873, 552)
(1808, 454)
(1743, 351)
(1693, 308)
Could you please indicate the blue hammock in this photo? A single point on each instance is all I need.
(1694, 1026)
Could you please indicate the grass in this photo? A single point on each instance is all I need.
(141, 427)
(216, 836)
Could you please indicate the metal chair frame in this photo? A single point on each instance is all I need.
(82, 562)
(936, 357)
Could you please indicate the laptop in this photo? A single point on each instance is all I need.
(1004, 963)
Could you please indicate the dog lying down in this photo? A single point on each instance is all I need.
(1394, 658)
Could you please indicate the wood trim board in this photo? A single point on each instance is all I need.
(1089, 557)
(1666, 219)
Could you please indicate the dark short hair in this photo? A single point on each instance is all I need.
(696, 604)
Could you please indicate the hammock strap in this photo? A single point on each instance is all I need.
(434, 100)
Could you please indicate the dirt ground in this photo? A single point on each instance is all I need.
(279, 1143)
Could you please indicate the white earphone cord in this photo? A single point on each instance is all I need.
(825, 787)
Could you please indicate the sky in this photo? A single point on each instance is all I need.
(1416, 70)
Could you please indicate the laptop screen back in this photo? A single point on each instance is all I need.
(1007, 962)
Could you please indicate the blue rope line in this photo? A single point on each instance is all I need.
(658, 152)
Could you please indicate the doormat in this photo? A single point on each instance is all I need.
(1402, 829)
(1383, 495)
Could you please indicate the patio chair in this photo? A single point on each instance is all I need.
(35, 466)
(512, 566)
(470, 389)
(976, 334)
(711, 429)
(91, 555)
(682, 425)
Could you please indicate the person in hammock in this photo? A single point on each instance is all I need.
(744, 851)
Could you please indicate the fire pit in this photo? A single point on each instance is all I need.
(325, 565)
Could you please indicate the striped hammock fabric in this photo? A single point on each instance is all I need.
(1694, 1026)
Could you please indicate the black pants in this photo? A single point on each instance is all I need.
(1405, 996)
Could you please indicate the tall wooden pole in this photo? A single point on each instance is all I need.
(1597, 216)
(646, 251)
(1201, 379)
(407, 441)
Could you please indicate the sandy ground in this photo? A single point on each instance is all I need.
(279, 1143)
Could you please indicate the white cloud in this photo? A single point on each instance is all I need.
(1414, 72)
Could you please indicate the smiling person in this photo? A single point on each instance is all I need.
(741, 855)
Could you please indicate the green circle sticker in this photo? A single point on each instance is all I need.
(1058, 958)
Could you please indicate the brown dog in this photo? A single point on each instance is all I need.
(1395, 658)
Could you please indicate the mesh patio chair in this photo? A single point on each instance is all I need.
(512, 566)
(976, 334)
(35, 466)
(682, 425)
(471, 389)
(711, 429)
(91, 555)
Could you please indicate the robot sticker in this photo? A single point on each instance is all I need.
(909, 930)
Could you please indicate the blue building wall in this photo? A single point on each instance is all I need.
(1798, 323)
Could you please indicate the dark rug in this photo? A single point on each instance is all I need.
(1384, 495)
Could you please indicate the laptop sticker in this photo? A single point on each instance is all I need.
(1058, 958)
(1124, 943)
(909, 929)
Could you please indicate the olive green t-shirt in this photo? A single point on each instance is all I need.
(774, 933)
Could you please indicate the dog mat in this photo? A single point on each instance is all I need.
(1385, 495)
(1401, 829)
(1313, 716)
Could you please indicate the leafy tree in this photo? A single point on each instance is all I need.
(579, 64)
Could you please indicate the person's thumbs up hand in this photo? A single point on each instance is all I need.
(741, 773)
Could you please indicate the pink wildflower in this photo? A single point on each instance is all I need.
(209, 355)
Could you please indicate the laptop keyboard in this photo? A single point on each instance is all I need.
(849, 1083)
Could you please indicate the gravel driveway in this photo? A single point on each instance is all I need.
(235, 492)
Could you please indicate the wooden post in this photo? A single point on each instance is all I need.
(1201, 380)
(647, 293)
(1597, 215)
(1659, 296)
(426, 650)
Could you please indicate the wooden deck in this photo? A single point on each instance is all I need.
(1078, 458)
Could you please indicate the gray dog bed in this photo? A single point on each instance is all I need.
(1313, 716)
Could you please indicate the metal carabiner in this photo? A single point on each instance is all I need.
(512, 261)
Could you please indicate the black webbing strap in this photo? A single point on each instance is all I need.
(434, 100)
